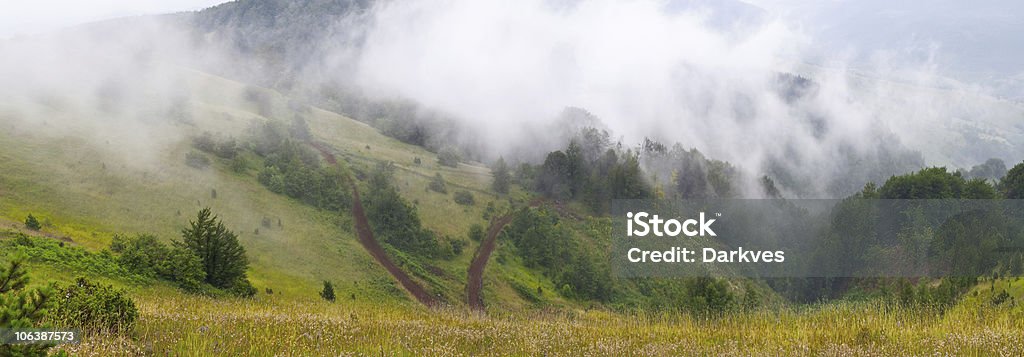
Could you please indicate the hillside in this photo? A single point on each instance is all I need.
(88, 191)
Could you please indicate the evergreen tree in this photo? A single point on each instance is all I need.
(222, 256)
(502, 177)
(32, 223)
(328, 292)
(1012, 185)
(22, 308)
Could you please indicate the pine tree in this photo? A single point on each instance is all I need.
(32, 223)
(22, 308)
(222, 256)
(328, 292)
(502, 177)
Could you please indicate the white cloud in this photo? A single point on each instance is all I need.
(30, 17)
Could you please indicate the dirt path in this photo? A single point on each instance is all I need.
(370, 243)
(475, 282)
(366, 238)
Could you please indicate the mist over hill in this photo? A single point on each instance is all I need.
(493, 79)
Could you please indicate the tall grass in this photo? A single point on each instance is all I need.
(186, 325)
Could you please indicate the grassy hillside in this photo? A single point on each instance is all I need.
(87, 190)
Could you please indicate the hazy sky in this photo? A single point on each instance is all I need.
(34, 16)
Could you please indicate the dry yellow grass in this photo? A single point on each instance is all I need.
(172, 324)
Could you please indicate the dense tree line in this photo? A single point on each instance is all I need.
(961, 245)
(590, 170)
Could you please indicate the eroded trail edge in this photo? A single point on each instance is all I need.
(370, 243)
(377, 251)
(475, 283)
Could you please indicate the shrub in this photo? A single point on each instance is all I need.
(464, 197)
(328, 292)
(458, 246)
(476, 232)
(448, 157)
(32, 223)
(87, 305)
(242, 287)
(437, 184)
(197, 160)
(140, 254)
(183, 267)
(239, 164)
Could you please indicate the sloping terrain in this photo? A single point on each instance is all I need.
(87, 189)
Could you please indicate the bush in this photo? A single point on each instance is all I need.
(464, 197)
(95, 307)
(457, 246)
(145, 255)
(328, 292)
(197, 160)
(476, 232)
(183, 267)
(242, 287)
(140, 254)
(32, 223)
(437, 184)
(448, 157)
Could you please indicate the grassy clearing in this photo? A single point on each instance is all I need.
(184, 325)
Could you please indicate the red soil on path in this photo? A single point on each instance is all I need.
(366, 238)
(476, 269)
(370, 243)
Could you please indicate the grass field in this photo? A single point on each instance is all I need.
(182, 325)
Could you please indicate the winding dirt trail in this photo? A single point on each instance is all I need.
(475, 282)
(370, 243)
(378, 253)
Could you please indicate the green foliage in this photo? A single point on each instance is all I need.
(1012, 185)
(437, 184)
(545, 243)
(464, 198)
(991, 170)
(394, 220)
(448, 157)
(935, 183)
(476, 232)
(197, 160)
(707, 294)
(328, 291)
(591, 171)
(88, 305)
(223, 258)
(292, 169)
(69, 257)
(183, 267)
(502, 176)
(145, 255)
(32, 223)
(21, 307)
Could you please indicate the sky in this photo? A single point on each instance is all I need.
(21, 17)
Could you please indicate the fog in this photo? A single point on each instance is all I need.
(688, 72)
(675, 76)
